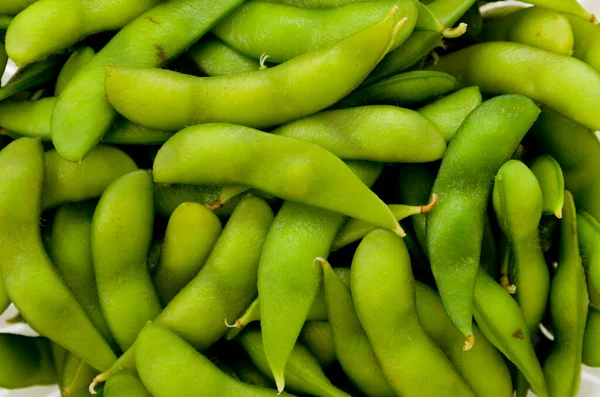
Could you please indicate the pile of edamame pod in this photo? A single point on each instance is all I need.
(300, 197)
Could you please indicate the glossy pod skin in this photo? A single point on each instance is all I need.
(69, 182)
(405, 88)
(191, 233)
(125, 384)
(316, 336)
(29, 277)
(302, 371)
(72, 254)
(121, 236)
(28, 118)
(25, 362)
(485, 140)
(289, 279)
(534, 26)
(307, 173)
(184, 371)
(284, 32)
(552, 182)
(375, 133)
(76, 61)
(512, 68)
(83, 114)
(568, 309)
(587, 36)
(215, 58)
(384, 297)
(307, 84)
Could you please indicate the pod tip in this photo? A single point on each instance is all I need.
(469, 342)
(452, 33)
(432, 203)
(399, 231)
(558, 213)
(280, 382)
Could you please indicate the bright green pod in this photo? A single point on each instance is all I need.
(302, 371)
(25, 362)
(552, 182)
(76, 61)
(307, 173)
(562, 83)
(405, 88)
(316, 336)
(568, 309)
(589, 245)
(591, 339)
(124, 132)
(191, 233)
(375, 133)
(215, 58)
(485, 141)
(305, 85)
(83, 114)
(69, 182)
(13, 7)
(449, 112)
(30, 278)
(125, 384)
(72, 254)
(121, 235)
(184, 371)
(75, 375)
(535, 26)
(587, 39)
(384, 297)
(31, 76)
(28, 118)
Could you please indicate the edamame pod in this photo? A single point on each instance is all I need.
(191, 233)
(125, 384)
(68, 182)
(591, 339)
(28, 118)
(75, 375)
(31, 76)
(215, 58)
(552, 182)
(405, 88)
(4, 299)
(13, 7)
(302, 86)
(485, 140)
(449, 112)
(72, 254)
(3, 58)
(569, 309)
(30, 279)
(567, 6)
(83, 114)
(535, 26)
(589, 244)
(168, 197)
(316, 336)
(121, 236)
(302, 371)
(307, 173)
(512, 68)
(125, 132)
(78, 58)
(587, 38)
(284, 32)
(384, 297)
(375, 133)
(25, 362)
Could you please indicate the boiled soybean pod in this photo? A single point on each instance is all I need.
(384, 297)
(124, 132)
(30, 279)
(31, 76)
(125, 384)
(587, 38)
(307, 173)
(486, 140)
(13, 7)
(215, 58)
(83, 114)
(25, 362)
(589, 243)
(566, 6)
(320, 79)
(568, 309)
(184, 371)
(28, 118)
(121, 234)
(552, 182)
(513, 68)
(376, 133)
(316, 336)
(75, 375)
(76, 61)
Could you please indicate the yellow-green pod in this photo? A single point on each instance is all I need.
(552, 182)
(25, 362)
(316, 336)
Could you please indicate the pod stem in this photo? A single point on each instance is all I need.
(469, 342)
(452, 33)
(431, 205)
(504, 279)
(263, 60)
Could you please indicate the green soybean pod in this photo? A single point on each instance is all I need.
(587, 36)
(4, 299)
(68, 182)
(384, 297)
(191, 233)
(552, 182)
(121, 236)
(535, 26)
(30, 279)
(316, 336)
(168, 197)
(3, 58)
(215, 58)
(307, 84)
(486, 140)
(83, 114)
(449, 112)
(76, 61)
(75, 375)
(589, 243)
(568, 309)
(591, 338)
(375, 133)
(302, 371)
(513, 68)
(352, 346)
(125, 384)
(31, 76)
(124, 132)
(404, 88)
(28, 118)
(184, 371)
(25, 362)
(567, 6)
(72, 254)
(13, 7)
(307, 173)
